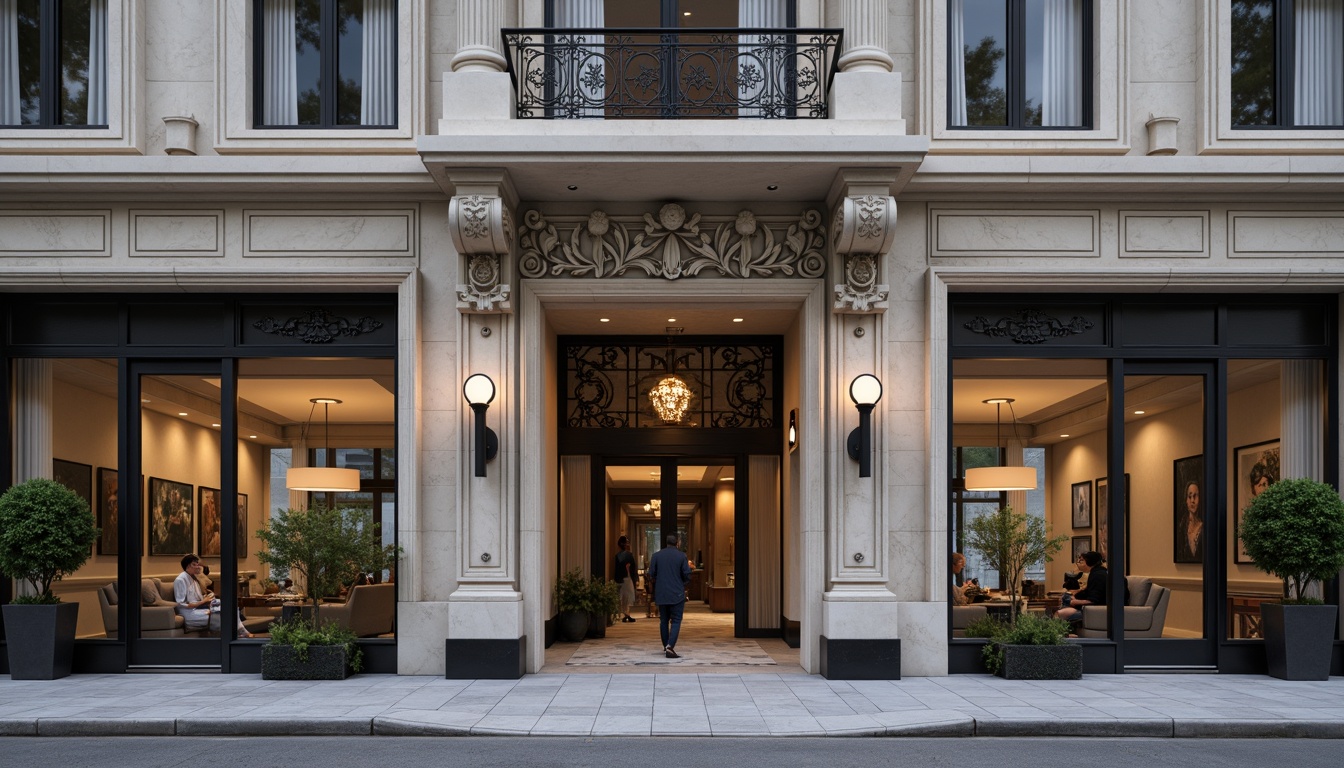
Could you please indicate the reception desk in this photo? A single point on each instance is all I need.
(721, 599)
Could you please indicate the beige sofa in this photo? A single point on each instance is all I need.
(158, 612)
(368, 612)
(1145, 613)
(963, 615)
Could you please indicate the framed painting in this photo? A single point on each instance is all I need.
(240, 540)
(1103, 519)
(1082, 504)
(171, 517)
(1081, 544)
(1188, 509)
(107, 511)
(75, 476)
(207, 542)
(1256, 467)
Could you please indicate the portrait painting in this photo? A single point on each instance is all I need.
(1188, 509)
(1081, 544)
(171, 517)
(107, 511)
(77, 477)
(1256, 467)
(208, 540)
(240, 540)
(1082, 504)
(1103, 518)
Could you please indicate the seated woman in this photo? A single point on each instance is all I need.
(1094, 593)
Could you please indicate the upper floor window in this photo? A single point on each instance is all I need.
(326, 63)
(1287, 63)
(1019, 63)
(53, 63)
(684, 14)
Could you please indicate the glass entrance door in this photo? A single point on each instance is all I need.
(1160, 514)
(184, 472)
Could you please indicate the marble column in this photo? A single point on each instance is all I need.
(478, 25)
(865, 25)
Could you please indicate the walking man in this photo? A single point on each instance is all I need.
(670, 572)
(625, 577)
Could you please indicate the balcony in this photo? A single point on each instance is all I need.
(668, 74)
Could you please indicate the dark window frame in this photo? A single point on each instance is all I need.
(670, 13)
(1015, 72)
(1285, 50)
(49, 79)
(329, 53)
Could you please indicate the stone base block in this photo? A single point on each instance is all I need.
(485, 659)
(857, 659)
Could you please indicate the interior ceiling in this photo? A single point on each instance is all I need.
(649, 477)
(641, 320)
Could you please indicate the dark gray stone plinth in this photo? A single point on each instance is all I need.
(484, 659)
(861, 659)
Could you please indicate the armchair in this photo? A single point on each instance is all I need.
(1145, 612)
(157, 619)
(963, 615)
(368, 612)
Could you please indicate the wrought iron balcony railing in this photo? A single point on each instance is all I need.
(671, 73)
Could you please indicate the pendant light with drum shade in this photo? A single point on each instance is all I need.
(1001, 478)
(322, 479)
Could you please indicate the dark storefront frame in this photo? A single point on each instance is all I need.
(162, 333)
(1137, 333)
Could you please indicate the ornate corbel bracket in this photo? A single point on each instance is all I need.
(862, 230)
(482, 229)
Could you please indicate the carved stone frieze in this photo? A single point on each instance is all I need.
(862, 229)
(672, 245)
(860, 293)
(317, 326)
(1031, 326)
(482, 229)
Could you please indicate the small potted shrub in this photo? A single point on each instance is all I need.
(1031, 648)
(46, 533)
(1295, 530)
(571, 595)
(1008, 542)
(604, 598)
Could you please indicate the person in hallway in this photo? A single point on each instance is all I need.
(193, 606)
(670, 572)
(625, 577)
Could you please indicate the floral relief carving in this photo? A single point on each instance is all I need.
(475, 217)
(672, 244)
(860, 293)
(1031, 326)
(317, 326)
(482, 232)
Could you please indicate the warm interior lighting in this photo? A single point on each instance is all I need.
(322, 479)
(793, 429)
(738, 319)
(655, 506)
(1138, 413)
(670, 398)
(1001, 478)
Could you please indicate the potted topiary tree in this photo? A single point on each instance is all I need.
(1008, 542)
(572, 604)
(1295, 530)
(46, 532)
(329, 547)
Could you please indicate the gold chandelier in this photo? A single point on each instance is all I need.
(670, 398)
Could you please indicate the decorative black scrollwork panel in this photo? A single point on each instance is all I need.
(625, 384)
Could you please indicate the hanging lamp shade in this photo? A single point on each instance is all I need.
(322, 479)
(1001, 479)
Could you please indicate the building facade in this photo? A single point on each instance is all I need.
(215, 217)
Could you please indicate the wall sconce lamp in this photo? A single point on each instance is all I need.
(793, 430)
(479, 390)
(865, 390)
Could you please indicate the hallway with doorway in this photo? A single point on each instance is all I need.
(706, 645)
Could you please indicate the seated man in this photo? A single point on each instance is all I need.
(194, 607)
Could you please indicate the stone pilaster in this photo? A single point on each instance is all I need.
(478, 25)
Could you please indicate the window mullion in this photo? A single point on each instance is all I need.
(329, 87)
(1015, 80)
(1285, 55)
(49, 66)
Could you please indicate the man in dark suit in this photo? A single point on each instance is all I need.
(670, 572)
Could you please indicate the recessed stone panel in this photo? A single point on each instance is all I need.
(169, 233)
(1158, 233)
(55, 233)
(1272, 234)
(389, 234)
(958, 233)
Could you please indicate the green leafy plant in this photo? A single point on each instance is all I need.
(604, 597)
(328, 546)
(571, 592)
(46, 532)
(985, 626)
(1029, 629)
(1008, 542)
(301, 634)
(1295, 530)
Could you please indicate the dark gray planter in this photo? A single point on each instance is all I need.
(597, 625)
(41, 640)
(571, 626)
(1042, 662)
(1298, 640)
(325, 662)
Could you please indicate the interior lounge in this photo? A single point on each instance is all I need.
(207, 450)
(1142, 443)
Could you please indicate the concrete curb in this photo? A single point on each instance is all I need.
(1049, 727)
(86, 726)
(290, 726)
(1258, 729)
(18, 727)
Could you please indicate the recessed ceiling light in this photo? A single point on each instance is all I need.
(181, 413)
(685, 13)
(1064, 435)
(727, 479)
(671, 319)
(737, 319)
(572, 187)
(772, 187)
(1138, 413)
(604, 319)
(144, 400)
(254, 437)
(214, 425)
